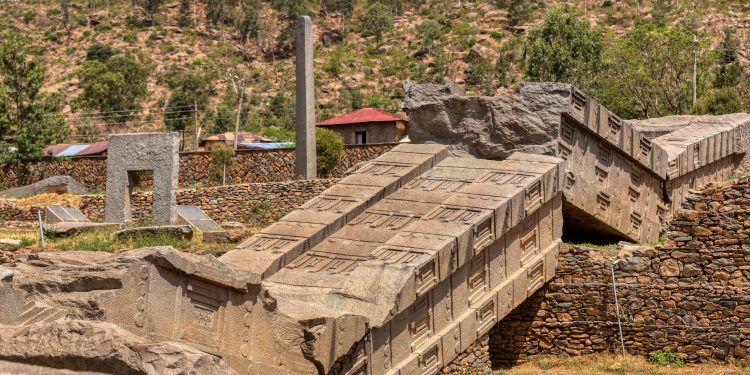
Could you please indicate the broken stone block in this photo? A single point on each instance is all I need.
(56, 184)
(178, 231)
(100, 346)
(9, 242)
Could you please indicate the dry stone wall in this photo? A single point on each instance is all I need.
(689, 296)
(254, 204)
(249, 166)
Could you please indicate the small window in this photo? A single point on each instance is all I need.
(360, 138)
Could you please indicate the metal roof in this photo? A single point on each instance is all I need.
(76, 149)
(360, 116)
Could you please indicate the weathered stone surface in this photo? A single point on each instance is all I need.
(178, 231)
(9, 242)
(15, 368)
(670, 267)
(72, 229)
(56, 184)
(128, 154)
(487, 127)
(99, 346)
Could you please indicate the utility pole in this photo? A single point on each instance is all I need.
(195, 115)
(239, 88)
(695, 69)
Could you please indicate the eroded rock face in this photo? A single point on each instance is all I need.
(15, 368)
(487, 127)
(146, 311)
(100, 346)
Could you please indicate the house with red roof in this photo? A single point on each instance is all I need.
(367, 126)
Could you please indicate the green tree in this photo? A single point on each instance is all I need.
(429, 31)
(479, 72)
(282, 111)
(329, 146)
(519, 11)
(190, 91)
(29, 119)
(649, 72)
(377, 21)
(345, 8)
(250, 25)
(116, 85)
(149, 7)
(224, 120)
(183, 18)
(564, 49)
(289, 10)
(730, 71)
(221, 155)
(215, 11)
(719, 101)
(99, 52)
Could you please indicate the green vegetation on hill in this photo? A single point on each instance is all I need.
(151, 64)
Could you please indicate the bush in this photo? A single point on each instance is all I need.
(666, 358)
(99, 52)
(220, 156)
(329, 146)
(377, 20)
(29, 16)
(129, 37)
(719, 101)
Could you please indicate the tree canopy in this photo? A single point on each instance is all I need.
(29, 119)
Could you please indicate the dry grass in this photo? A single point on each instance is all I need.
(49, 199)
(105, 240)
(610, 364)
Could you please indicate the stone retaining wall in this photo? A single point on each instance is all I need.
(254, 204)
(689, 296)
(248, 166)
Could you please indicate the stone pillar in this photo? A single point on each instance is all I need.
(305, 165)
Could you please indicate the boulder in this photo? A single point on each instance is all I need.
(99, 346)
(483, 126)
(14, 368)
(57, 184)
(179, 231)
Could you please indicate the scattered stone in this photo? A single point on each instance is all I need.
(9, 243)
(178, 231)
(57, 184)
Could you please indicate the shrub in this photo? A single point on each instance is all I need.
(220, 156)
(29, 16)
(666, 358)
(719, 101)
(129, 37)
(329, 146)
(377, 20)
(99, 52)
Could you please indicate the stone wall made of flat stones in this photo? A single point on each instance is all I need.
(248, 166)
(254, 204)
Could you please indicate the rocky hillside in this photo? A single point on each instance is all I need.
(477, 43)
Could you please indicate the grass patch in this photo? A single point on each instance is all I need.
(160, 240)
(600, 364)
(666, 358)
(590, 245)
